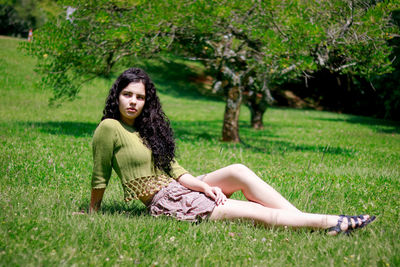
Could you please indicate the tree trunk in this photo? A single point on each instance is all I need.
(258, 104)
(257, 117)
(230, 129)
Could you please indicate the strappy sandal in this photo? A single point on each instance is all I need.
(353, 223)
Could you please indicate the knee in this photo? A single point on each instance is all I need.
(238, 169)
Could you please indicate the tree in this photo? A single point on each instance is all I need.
(352, 57)
(246, 45)
(356, 37)
(244, 50)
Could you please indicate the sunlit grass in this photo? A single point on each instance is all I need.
(322, 162)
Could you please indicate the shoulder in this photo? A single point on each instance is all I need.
(109, 123)
(107, 127)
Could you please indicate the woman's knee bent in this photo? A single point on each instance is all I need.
(238, 170)
(243, 174)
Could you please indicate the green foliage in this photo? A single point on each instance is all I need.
(322, 162)
(388, 85)
(18, 16)
(355, 88)
(279, 39)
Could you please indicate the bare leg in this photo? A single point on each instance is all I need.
(236, 209)
(238, 177)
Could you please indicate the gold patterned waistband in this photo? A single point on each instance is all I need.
(144, 188)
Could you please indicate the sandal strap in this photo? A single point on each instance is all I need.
(337, 228)
(353, 222)
(365, 221)
(359, 222)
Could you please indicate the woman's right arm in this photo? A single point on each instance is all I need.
(95, 199)
(103, 148)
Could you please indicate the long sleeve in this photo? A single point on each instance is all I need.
(177, 170)
(103, 150)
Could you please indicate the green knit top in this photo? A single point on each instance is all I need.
(119, 146)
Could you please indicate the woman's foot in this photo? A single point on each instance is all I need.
(346, 224)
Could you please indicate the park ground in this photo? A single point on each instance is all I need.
(322, 162)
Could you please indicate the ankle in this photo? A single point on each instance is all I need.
(331, 220)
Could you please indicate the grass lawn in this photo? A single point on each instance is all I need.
(322, 162)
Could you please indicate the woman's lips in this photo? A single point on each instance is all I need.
(132, 110)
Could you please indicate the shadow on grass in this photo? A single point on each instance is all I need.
(379, 125)
(212, 130)
(282, 147)
(177, 79)
(133, 208)
(192, 132)
(77, 129)
(258, 141)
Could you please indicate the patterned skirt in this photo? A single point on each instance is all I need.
(179, 202)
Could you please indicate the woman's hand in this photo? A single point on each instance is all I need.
(216, 194)
(95, 199)
(213, 192)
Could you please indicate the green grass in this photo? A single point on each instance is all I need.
(322, 162)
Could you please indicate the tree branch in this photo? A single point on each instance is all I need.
(288, 69)
(265, 89)
(349, 21)
(345, 66)
(276, 26)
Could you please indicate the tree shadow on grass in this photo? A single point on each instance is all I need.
(282, 147)
(261, 142)
(211, 130)
(379, 125)
(192, 132)
(77, 129)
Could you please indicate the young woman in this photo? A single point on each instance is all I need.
(135, 139)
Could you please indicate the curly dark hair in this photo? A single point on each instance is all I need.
(152, 124)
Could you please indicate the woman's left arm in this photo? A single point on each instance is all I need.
(214, 192)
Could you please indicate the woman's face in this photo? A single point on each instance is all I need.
(131, 102)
